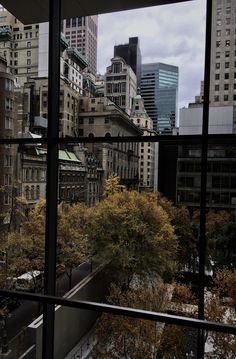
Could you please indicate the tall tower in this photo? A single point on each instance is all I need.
(81, 33)
(159, 89)
(223, 54)
(131, 53)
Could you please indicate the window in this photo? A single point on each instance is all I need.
(15, 54)
(226, 76)
(218, 43)
(217, 87)
(227, 32)
(218, 33)
(218, 22)
(217, 98)
(227, 21)
(226, 97)
(227, 53)
(28, 62)
(217, 76)
(52, 204)
(217, 55)
(227, 65)
(91, 120)
(226, 87)
(8, 123)
(28, 53)
(7, 180)
(28, 44)
(227, 43)
(217, 65)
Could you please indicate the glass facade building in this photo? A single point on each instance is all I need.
(159, 89)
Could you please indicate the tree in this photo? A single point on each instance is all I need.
(25, 250)
(124, 337)
(221, 306)
(72, 246)
(133, 233)
(112, 185)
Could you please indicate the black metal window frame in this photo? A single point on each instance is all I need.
(53, 141)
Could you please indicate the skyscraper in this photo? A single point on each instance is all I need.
(159, 89)
(223, 54)
(81, 33)
(131, 53)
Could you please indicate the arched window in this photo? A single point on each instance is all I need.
(32, 192)
(107, 134)
(27, 192)
(37, 192)
(91, 135)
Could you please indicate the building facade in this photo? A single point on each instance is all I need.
(19, 46)
(81, 33)
(223, 52)
(159, 89)
(141, 119)
(131, 53)
(120, 84)
(100, 117)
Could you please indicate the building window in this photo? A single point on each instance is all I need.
(218, 33)
(28, 53)
(217, 87)
(227, 53)
(217, 65)
(217, 98)
(28, 44)
(226, 97)
(227, 43)
(227, 32)
(226, 76)
(8, 123)
(28, 62)
(227, 65)
(217, 55)
(91, 120)
(226, 87)
(218, 43)
(217, 76)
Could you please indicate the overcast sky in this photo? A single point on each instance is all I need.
(173, 34)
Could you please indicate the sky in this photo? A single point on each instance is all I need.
(172, 34)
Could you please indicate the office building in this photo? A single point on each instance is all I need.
(223, 51)
(159, 89)
(19, 46)
(120, 84)
(131, 53)
(81, 33)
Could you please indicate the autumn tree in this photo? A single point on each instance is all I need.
(133, 233)
(112, 185)
(25, 250)
(72, 246)
(124, 337)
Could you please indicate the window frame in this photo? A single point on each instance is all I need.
(52, 141)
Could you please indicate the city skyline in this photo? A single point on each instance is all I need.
(184, 36)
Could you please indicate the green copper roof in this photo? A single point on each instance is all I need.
(64, 155)
(77, 57)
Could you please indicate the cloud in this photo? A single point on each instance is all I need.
(173, 34)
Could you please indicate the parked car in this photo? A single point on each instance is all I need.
(31, 281)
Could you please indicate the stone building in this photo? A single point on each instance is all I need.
(101, 117)
(120, 83)
(141, 119)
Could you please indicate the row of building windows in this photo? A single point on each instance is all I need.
(226, 32)
(226, 98)
(226, 87)
(227, 43)
(226, 76)
(227, 54)
(227, 65)
(32, 192)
